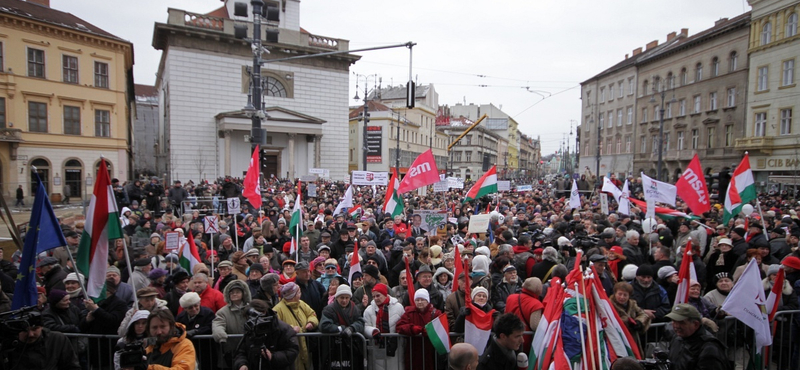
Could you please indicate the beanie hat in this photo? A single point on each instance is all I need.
(422, 294)
(189, 299)
(268, 280)
(113, 269)
(645, 270)
(343, 290)
(72, 276)
(666, 272)
(381, 288)
(483, 251)
(290, 290)
(371, 270)
(773, 269)
(156, 273)
(56, 295)
(629, 272)
(791, 261)
(479, 290)
(480, 264)
(256, 267)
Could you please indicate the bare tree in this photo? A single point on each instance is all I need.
(200, 163)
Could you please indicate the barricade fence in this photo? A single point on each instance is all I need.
(396, 351)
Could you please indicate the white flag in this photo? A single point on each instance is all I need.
(623, 201)
(609, 187)
(346, 202)
(746, 302)
(575, 196)
(659, 191)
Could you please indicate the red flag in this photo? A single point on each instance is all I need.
(423, 172)
(685, 275)
(252, 191)
(467, 288)
(355, 264)
(691, 187)
(410, 281)
(459, 268)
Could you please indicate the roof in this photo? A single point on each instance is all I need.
(399, 92)
(52, 16)
(628, 62)
(145, 90)
(372, 105)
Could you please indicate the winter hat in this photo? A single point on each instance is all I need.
(773, 269)
(629, 272)
(550, 254)
(436, 254)
(562, 241)
(479, 290)
(56, 295)
(256, 267)
(343, 290)
(189, 299)
(290, 290)
(113, 269)
(483, 251)
(156, 273)
(72, 276)
(480, 264)
(138, 315)
(381, 288)
(791, 261)
(372, 271)
(268, 280)
(645, 270)
(422, 294)
(666, 272)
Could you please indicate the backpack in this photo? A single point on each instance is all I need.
(520, 261)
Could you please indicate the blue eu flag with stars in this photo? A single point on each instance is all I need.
(44, 233)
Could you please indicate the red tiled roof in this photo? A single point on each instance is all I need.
(373, 107)
(145, 90)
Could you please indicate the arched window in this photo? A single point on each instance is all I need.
(684, 77)
(733, 62)
(273, 87)
(791, 25)
(670, 81)
(657, 83)
(43, 169)
(766, 33)
(715, 67)
(108, 165)
(73, 175)
(698, 72)
(645, 88)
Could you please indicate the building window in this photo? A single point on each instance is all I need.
(657, 83)
(35, 63)
(630, 115)
(655, 144)
(680, 140)
(715, 67)
(710, 137)
(608, 147)
(786, 121)
(101, 75)
(619, 145)
(728, 135)
(610, 119)
(788, 72)
(37, 117)
(684, 77)
(611, 92)
(695, 138)
(697, 104)
(72, 120)
(2, 112)
(1, 57)
(668, 110)
(733, 62)
(588, 98)
(602, 120)
(712, 101)
(766, 33)
(631, 86)
(670, 81)
(603, 94)
(619, 117)
(468, 156)
(643, 145)
(70, 66)
(645, 88)
(627, 144)
(666, 141)
(682, 108)
(731, 97)
(644, 114)
(656, 113)
(102, 123)
(763, 72)
(698, 72)
(761, 124)
(791, 25)
(621, 88)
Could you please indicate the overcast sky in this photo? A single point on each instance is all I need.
(474, 51)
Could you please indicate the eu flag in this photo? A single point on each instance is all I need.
(44, 233)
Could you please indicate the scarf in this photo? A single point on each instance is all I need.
(382, 317)
(74, 293)
(612, 266)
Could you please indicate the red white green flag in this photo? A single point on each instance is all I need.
(486, 185)
(189, 256)
(439, 333)
(102, 225)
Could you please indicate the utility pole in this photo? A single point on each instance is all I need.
(365, 114)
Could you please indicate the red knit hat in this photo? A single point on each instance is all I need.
(791, 261)
(287, 247)
(381, 288)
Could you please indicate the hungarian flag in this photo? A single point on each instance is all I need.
(685, 275)
(620, 342)
(294, 224)
(459, 266)
(189, 257)
(252, 189)
(663, 213)
(487, 184)
(355, 210)
(773, 301)
(692, 188)
(548, 331)
(355, 264)
(423, 172)
(741, 189)
(439, 333)
(478, 328)
(393, 204)
(102, 225)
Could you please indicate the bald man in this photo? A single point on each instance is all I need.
(463, 356)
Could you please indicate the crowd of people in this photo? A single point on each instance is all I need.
(253, 296)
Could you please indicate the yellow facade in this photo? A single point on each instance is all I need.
(65, 96)
(513, 145)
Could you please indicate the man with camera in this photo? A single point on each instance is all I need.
(38, 348)
(691, 345)
(172, 349)
(268, 343)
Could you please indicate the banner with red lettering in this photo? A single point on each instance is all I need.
(692, 188)
(423, 172)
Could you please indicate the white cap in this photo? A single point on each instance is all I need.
(343, 290)
(422, 294)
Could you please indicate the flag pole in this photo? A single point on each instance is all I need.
(588, 322)
(584, 365)
(763, 220)
(211, 259)
(75, 265)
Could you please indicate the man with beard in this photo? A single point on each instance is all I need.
(650, 297)
(172, 349)
(39, 348)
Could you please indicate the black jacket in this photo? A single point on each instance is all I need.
(282, 342)
(198, 325)
(494, 358)
(651, 298)
(701, 350)
(53, 351)
(314, 295)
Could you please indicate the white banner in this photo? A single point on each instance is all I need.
(503, 185)
(604, 203)
(455, 183)
(659, 191)
(525, 188)
(370, 178)
(320, 171)
(312, 190)
(211, 223)
(171, 241)
(234, 206)
(440, 186)
(428, 220)
(479, 223)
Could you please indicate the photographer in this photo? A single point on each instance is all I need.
(268, 343)
(131, 343)
(692, 346)
(172, 350)
(38, 348)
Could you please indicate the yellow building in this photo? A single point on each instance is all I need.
(66, 90)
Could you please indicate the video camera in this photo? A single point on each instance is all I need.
(133, 356)
(260, 324)
(14, 322)
(660, 361)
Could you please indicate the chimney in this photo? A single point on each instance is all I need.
(651, 45)
(684, 32)
(670, 36)
(720, 21)
(626, 56)
(637, 51)
(44, 3)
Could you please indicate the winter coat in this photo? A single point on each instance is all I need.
(281, 342)
(629, 312)
(231, 319)
(386, 350)
(527, 307)
(452, 307)
(651, 298)
(198, 325)
(496, 358)
(123, 326)
(419, 351)
(177, 353)
(436, 297)
(213, 299)
(701, 350)
(336, 351)
(54, 279)
(501, 291)
(298, 314)
(52, 351)
(313, 294)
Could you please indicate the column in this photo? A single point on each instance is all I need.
(227, 170)
(291, 156)
(317, 148)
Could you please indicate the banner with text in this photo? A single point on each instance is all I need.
(370, 178)
(428, 219)
(374, 144)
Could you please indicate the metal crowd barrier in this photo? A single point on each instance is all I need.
(333, 351)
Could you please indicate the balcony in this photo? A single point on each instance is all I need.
(762, 144)
(210, 25)
(11, 135)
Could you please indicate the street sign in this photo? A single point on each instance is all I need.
(172, 240)
(234, 206)
(211, 224)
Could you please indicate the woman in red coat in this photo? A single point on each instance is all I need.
(527, 306)
(420, 354)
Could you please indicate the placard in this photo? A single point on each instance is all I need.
(321, 172)
(651, 209)
(172, 240)
(455, 183)
(521, 188)
(604, 203)
(312, 190)
(428, 219)
(479, 223)
(211, 224)
(308, 178)
(234, 206)
(370, 178)
(503, 185)
(374, 144)
(440, 186)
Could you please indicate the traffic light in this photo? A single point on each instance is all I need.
(262, 160)
(411, 91)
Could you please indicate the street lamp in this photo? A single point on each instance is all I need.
(365, 115)
(599, 143)
(662, 91)
(397, 148)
